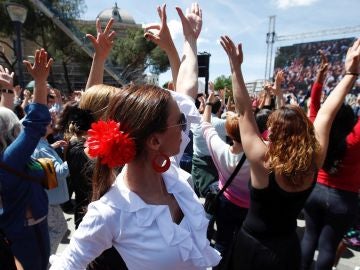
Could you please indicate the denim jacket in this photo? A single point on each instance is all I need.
(20, 194)
(60, 194)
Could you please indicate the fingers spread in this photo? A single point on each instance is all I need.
(91, 38)
(28, 66)
(98, 26)
(49, 64)
(151, 26)
(108, 26)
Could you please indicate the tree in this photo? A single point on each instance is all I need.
(39, 29)
(223, 82)
(135, 54)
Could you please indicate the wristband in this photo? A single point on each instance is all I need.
(209, 103)
(351, 73)
(7, 91)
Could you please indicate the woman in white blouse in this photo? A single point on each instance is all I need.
(234, 202)
(149, 213)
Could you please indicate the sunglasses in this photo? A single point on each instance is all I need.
(182, 123)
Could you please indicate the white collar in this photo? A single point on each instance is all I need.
(192, 241)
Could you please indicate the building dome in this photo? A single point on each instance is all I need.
(120, 15)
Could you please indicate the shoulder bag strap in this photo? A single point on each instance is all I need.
(232, 176)
(18, 173)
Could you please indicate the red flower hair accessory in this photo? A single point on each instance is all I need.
(107, 142)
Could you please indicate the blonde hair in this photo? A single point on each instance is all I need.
(293, 144)
(96, 99)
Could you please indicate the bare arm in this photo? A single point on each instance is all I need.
(103, 44)
(316, 89)
(7, 92)
(206, 117)
(27, 98)
(160, 35)
(251, 140)
(279, 78)
(187, 81)
(332, 104)
(40, 71)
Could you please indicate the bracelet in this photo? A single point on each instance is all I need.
(7, 91)
(209, 103)
(351, 73)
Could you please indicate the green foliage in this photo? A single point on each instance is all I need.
(223, 82)
(158, 60)
(135, 54)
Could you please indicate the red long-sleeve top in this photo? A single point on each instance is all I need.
(348, 176)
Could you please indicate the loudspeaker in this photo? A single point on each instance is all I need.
(203, 67)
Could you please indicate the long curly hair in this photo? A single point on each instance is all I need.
(343, 124)
(292, 144)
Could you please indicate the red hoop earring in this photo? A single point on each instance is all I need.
(158, 168)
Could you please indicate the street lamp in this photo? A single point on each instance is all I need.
(18, 14)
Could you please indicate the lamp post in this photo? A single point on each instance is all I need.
(18, 14)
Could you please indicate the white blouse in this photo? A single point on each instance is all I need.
(143, 234)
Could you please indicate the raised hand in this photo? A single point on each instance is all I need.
(212, 98)
(321, 74)
(234, 53)
(192, 21)
(211, 86)
(17, 91)
(159, 33)
(352, 61)
(40, 71)
(41, 67)
(27, 94)
(279, 79)
(104, 41)
(6, 78)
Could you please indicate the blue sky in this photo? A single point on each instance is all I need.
(245, 21)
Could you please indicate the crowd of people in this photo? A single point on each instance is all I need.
(137, 158)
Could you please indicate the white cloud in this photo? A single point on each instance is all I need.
(202, 40)
(175, 28)
(284, 4)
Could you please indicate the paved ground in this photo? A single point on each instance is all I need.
(349, 260)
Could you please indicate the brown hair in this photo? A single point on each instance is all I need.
(96, 99)
(141, 110)
(232, 126)
(292, 143)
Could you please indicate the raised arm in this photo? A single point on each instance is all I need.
(187, 81)
(317, 87)
(40, 71)
(250, 137)
(103, 44)
(6, 84)
(159, 33)
(279, 78)
(332, 104)
(206, 117)
(27, 98)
